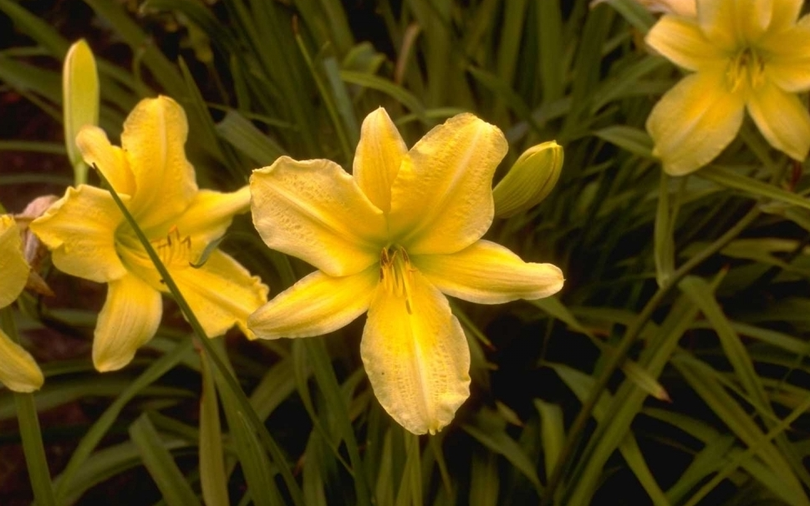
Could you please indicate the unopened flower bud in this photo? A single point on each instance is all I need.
(80, 92)
(530, 179)
(33, 250)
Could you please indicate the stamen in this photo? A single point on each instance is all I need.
(747, 67)
(175, 250)
(396, 272)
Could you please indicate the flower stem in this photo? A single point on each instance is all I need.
(30, 433)
(230, 380)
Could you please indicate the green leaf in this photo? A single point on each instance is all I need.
(780, 479)
(631, 139)
(410, 486)
(213, 479)
(244, 136)
(553, 432)
(497, 440)
(664, 246)
(99, 429)
(701, 295)
(391, 89)
(632, 11)
(730, 179)
(160, 464)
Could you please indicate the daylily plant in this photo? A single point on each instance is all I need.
(744, 55)
(390, 239)
(90, 238)
(18, 370)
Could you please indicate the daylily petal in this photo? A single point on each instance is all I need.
(13, 267)
(682, 7)
(785, 13)
(154, 136)
(441, 199)
(315, 211)
(19, 371)
(221, 293)
(210, 214)
(418, 361)
(379, 154)
(110, 160)
(789, 57)
(782, 119)
(129, 319)
(730, 23)
(79, 229)
(695, 121)
(488, 273)
(315, 305)
(681, 41)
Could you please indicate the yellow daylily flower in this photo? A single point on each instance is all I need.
(89, 237)
(390, 240)
(18, 370)
(750, 55)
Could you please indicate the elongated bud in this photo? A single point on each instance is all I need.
(80, 93)
(530, 179)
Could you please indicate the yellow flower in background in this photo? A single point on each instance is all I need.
(750, 55)
(90, 238)
(405, 228)
(681, 7)
(18, 370)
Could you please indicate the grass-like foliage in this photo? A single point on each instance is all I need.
(670, 369)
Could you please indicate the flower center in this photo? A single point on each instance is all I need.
(174, 250)
(396, 272)
(746, 68)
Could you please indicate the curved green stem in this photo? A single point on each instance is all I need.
(230, 380)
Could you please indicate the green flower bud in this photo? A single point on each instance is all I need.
(530, 179)
(80, 91)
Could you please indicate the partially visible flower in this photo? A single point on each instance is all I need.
(18, 370)
(90, 238)
(529, 180)
(680, 7)
(389, 240)
(33, 249)
(745, 55)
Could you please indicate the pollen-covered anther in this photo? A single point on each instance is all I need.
(396, 272)
(174, 250)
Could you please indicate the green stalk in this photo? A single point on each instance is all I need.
(749, 452)
(35, 460)
(630, 336)
(328, 101)
(236, 390)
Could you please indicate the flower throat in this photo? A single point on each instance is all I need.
(747, 67)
